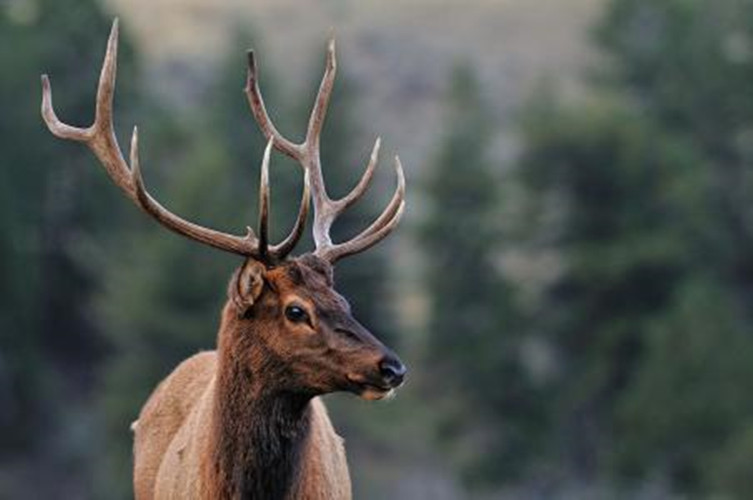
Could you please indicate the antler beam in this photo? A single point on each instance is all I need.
(100, 138)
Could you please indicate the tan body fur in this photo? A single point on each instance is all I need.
(173, 432)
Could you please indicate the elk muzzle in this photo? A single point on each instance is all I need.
(380, 377)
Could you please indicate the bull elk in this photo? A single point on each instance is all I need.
(245, 420)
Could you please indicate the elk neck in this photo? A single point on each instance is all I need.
(259, 430)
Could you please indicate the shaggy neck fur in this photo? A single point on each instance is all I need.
(259, 431)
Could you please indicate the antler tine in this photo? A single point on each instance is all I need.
(378, 230)
(106, 87)
(241, 245)
(282, 249)
(99, 136)
(58, 128)
(363, 184)
(392, 207)
(325, 210)
(264, 202)
(259, 110)
(316, 120)
(105, 91)
(357, 245)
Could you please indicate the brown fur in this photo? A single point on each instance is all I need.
(169, 443)
(245, 421)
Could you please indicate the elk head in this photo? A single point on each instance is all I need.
(283, 314)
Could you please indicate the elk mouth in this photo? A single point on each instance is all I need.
(369, 390)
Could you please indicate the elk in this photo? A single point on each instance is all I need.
(245, 420)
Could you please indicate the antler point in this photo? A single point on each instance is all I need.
(374, 154)
(115, 27)
(46, 90)
(400, 173)
(331, 58)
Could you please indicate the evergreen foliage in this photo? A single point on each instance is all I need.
(639, 198)
(473, 341)
(650, 182)
(51, 199)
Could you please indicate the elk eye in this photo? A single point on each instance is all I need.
(296, 314)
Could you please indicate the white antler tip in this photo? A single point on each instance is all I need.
(375, 149)
(400, 174)
(48, 114)
(114, 30)
(265, 164)
(331, 59)
(112, 41)
(46, 89)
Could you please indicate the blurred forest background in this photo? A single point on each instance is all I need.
(572, 286)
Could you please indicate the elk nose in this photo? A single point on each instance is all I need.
(392, 371)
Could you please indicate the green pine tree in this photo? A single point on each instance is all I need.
(473, 342)
(52, 197)
(613, 196)
(690, 73)
(643, 193)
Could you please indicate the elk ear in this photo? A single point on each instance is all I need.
(247, 285)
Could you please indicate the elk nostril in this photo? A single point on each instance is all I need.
(392, 371)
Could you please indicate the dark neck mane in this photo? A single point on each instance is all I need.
(258, 434)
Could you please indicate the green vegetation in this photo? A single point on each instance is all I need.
(51, 209)
(473, 327)
(588, 321)
(652, 182)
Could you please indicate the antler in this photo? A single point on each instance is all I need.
(100, 138)
(326, 210)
